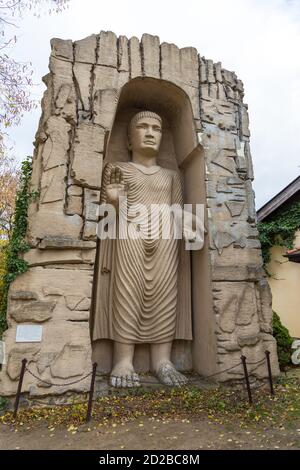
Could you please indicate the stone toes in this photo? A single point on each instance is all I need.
(129, 381)
(136, 380)
(113, 381)
(124, 381)
(168, 379)
(119, 382)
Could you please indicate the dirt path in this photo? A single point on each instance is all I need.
(150, 434)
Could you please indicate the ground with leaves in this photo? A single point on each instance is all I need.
(188, 418)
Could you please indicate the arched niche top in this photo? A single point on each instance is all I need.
(171, 103)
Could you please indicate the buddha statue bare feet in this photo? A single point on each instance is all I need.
(123, 375)
(168, 375)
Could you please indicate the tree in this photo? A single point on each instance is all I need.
(9, 177)
(15, 77)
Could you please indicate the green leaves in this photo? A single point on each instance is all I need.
(280, 230)
(284, 342)
(17, 245)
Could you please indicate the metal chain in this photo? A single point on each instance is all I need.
(58, 385)
(257, 362)
(207, 377)
(140, 381)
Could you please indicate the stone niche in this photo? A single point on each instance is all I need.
(94, 86)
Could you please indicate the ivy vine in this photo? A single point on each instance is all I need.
(280, 230)
(17, 245)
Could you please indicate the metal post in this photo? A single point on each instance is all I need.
(24, 362)
(270, 372)
(91, 393)
(247, 379)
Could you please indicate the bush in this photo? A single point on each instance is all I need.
(284, 342)
(13, 264)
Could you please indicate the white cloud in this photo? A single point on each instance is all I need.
(259, 39)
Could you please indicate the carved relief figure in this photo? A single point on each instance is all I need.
(140, 297)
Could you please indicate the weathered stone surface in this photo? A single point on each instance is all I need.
(265, 302)
(64, 93)
(235, 304)
(180, 66)
(224, 160)
(252, 217)
(107, 49)
(248, 156)
(229, 77)
(73, 300)
(63, 96)
(37, 257)
(245, 122)
(70, 362)
(210, 71)
(62, 284)
(63, 313)
(23, 295)
(77, 302)
(53, 224)
(44, 361)
(241, 161)
(85, 49)
(67, 281)
(248, 340)
(230, 346)
(74, 190)
(135, 58)
(170, 62)
(235, 208)
(220, 113)
(62, 48)
(56, 336)
(237, 273)
(108, 78)
(105, 102)
(236, 256)
(91, 203)
(55, 150)
(123, 58)
(88, 148)
(222, 240)
(74, 205)
(189, 66)
(31, 311)
(64, 243)
(83, 76)
(151, 53)
(202, 70)
(225, 233)
(15, 357)
(218, 71)
(53, 185)
(90, 231)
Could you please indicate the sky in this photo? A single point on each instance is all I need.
(258, 39)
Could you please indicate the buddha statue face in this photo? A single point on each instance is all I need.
(145, 132)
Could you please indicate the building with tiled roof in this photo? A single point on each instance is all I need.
(284, 267)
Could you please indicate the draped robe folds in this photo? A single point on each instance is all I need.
(143, 290)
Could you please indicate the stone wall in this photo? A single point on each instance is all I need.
(78, 110)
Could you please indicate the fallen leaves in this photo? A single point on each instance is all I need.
(218, 405)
